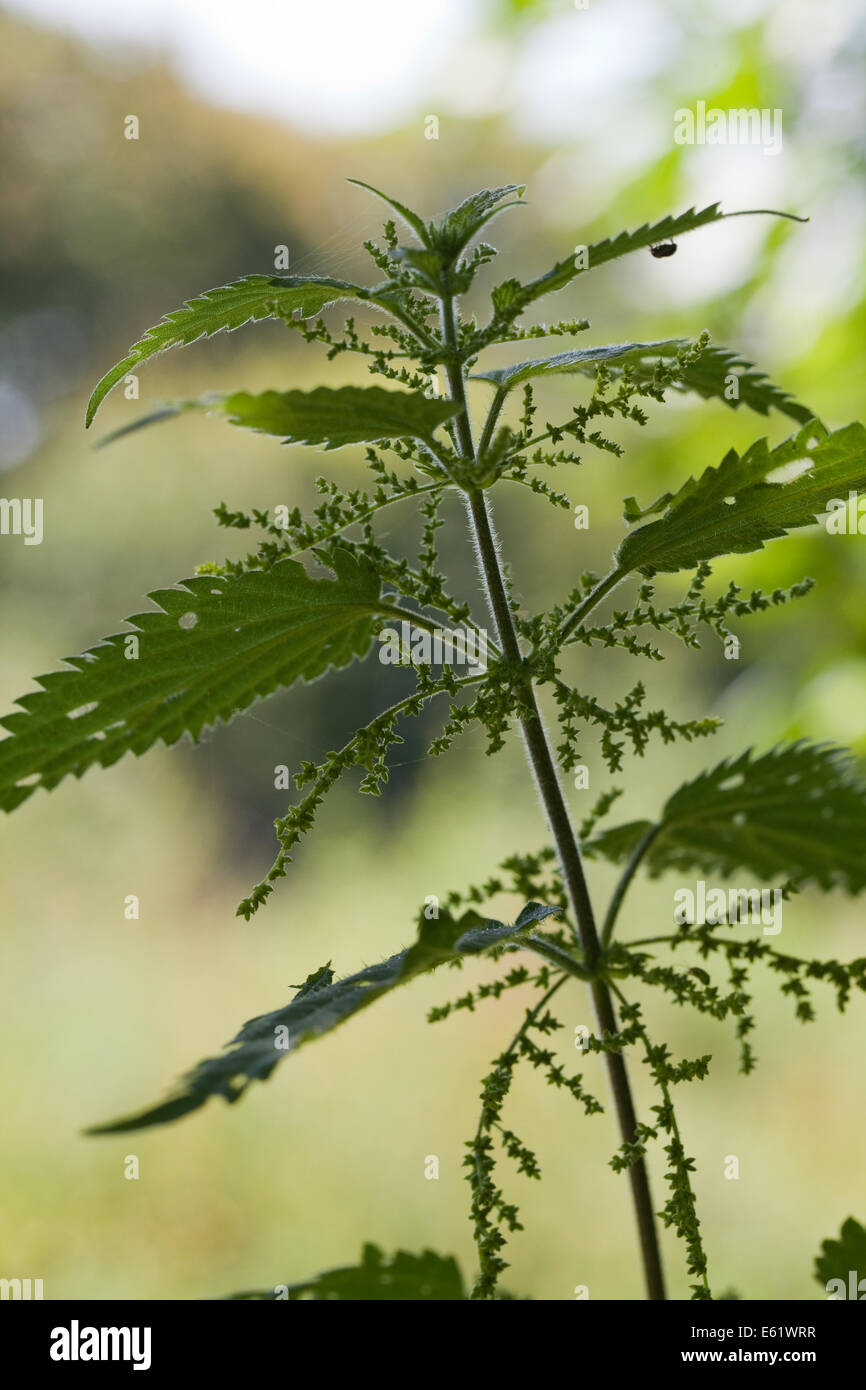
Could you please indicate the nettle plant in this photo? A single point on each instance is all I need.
(792, 816)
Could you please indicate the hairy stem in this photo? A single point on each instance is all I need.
(544, 770)
(490, 423)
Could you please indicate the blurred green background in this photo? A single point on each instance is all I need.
(101, 235)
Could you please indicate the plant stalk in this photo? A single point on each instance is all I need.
(544, 771)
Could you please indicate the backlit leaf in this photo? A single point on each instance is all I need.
(795, 813)
(321, 1007)
(735, 507)
(213, 646)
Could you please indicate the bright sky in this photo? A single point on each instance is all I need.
(364, 65)
(582, 83)
(336, 64)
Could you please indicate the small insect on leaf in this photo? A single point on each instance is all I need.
(666, 248)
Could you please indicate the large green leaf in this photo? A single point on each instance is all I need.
(226, 308)
(842, 1258)
(419, 1278)
(345, 415)
(332, 416)
(213, 646)
(797, 812)
(576, 360)
(735, 509)
(514, 296)
(321, 1004)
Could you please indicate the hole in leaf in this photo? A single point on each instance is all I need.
(730, 783)
(82, 710)
(729, 501)
(187, 620)
(740, 818)
(787, 472)
(32, 780)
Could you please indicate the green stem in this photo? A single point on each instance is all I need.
(547, 781)
(622, 887)
(490, 423)
(602, 588)
(393, 610)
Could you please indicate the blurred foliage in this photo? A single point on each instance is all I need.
(99, 237)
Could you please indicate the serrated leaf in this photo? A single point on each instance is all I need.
(734, 509)
(331, 416)
(842, 1258)
(226, 308)
(576, 360)
(709, 377)
(795, 813)
(612, 248)
(213, 646)
(452, 232)
(342, 415)
(420, 1278)
(264, 1041)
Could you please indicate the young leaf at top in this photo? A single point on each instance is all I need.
(226, 308)
(795, 813)
(453, 231)
(448, 235)
(214, 645)
(420, 1278)
(735, 508)
(320, 1005)
(411, 218)
(842, 1258)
